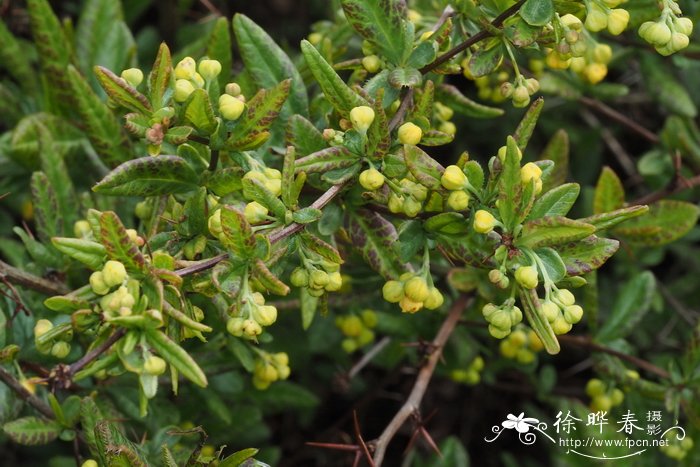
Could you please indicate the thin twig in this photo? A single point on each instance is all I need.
(23, 393)
(676, 185)
(96, 352)
(25, 279)
(623, 119)
(481, 35)
(403, 108)
(366, 358)
(587, 343)
(413, 402)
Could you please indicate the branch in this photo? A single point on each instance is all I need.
(481, 35)
(620, 118)
(96, 352)
(23, 393)
(678, 183)
(587, 343)
(413, 402)
(25, 279)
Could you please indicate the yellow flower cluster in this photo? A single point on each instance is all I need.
(522, 345)
(250, 315)
(357, 329)
(502, 318)
(270, 368)
(561, 311)
(471, 375)
(603, 396)
(412, 293)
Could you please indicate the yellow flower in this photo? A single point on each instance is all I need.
(362, 117)
(484, 222)
(410, 133)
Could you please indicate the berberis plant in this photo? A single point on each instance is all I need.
(219, 242)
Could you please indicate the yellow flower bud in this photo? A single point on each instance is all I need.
(658, 33)
(89, 463)
(42, 327)
(411, 207)
(234, 326)
(214, 223)
(484, 222)
(526, 276)
(299, 277)
(416, 289)
(502, 154)
(371, 179)
(60, 349)
(185, 69)
(371, 63)
(550, 311)
(565, 297)
(602, 53)
(601, 403)
(683, 25)
(434, 300)
(571, 21)
(255, 212)
(154, 365)
(410, 133)
(678, 41)
(617, 396)
(392, 291)
(233, 89)
(426, 35)
(113, 273)
(230, 107)
(335, 281)
(82, 229)
(530, 171)
(209, 69)
(409, 306)
(315, 38)
(352, 326)
(443, 112)
(265, 315)
(498, 333)
(318, 279)
(362, 117)
(617, 21)
(573, 314)
(448, 127)
(133, 76)
(595, 72)
(521, 96)
(97, 283)
(413, 16)
(183, 89)
(453, 178)
(458, 200)
(596, 19)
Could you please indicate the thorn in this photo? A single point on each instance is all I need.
(334, 446)
(358, 434)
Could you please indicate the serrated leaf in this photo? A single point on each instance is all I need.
(537, 12)
(160, 77)
(631, 304)
(304, 136)
(223, 181)
(341, 97)
(88, 252)
(199, 112)
(320, 247)
(238, 235)
(122, 92)
(306, 215)
(405, 77)
(555, 202)
(609, 193)
(252, 129)
(487, 58)
(381, 22)
(374, 236)
(268, 64)
(666, 221)
(423, 167)
(553, 230)
(586, 255)
(48, 222)
(325, 160)
(149, 176)
(176, 356)
(118, 244)
(32, 431)
(14, 61)
(453, 98)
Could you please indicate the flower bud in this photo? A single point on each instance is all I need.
(185, 69)
(113, 273)
(434, 300)
(595, 72)
(265, 315)
(371, 63)
(516, 315)
(315, 38)
(233, 89)
(371, 179)
(502, 154)
(530, 171)
(183, 89)
(392, 291)
(602, 53)
(484, 222)
(617, 396)
(571, 21)
(230, 107)
(335, 281)
(98, 284)
(154, 365)
(209, 69)
(409, 306)
(658, 34)
(361, 118)
(299, 277)
(414, 16)
(251, 328)
(565, 297)
(89, 463)
(255, 212)
(234, 326)
(596, 19)
(410, 133)
(601, 403)
(60, 349)
(214, 223)
(411, 207)
(550, 311)
(683, 25)
(561, 326)
(521, 96)
(133, 76)
(501, 319)
(416, 289)
(678, 41)
(318, 279)
(617, 21)
(458, 200)
(526, 276)
(443, 112)
(351, 326)
(573, 314)
(82, 229)
(532, 85)
(498, 333)
(42, 327)
(448, 127)
(453, 178)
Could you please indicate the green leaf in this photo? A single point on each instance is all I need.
(341, 97)
(631, 304)
(149, 176)
(609, 193)
(256, 191)
(554, 265)
(453, 452)
(537, 12)
(487, 58)
(15, 61)
(48, 221)
(374, 236)
(176, 356)
(88, 252)
(306, 215)
(268, 279)
(238, 235)
(510, 187)
(324, 249)
(199, 112)
(424, 168)
(557, 150)
(101, 126)
(453, 98)
(223, 181)
(411, 240)
(555, 202)
(538, 322)
(405, 77)
(587, 254)
(309, 305)
(666, 221)
(553, 230)
(252, 129)
(663, 86)
(610, 219)
(237, 458)
(268, 64)
(118, 244)
(122, 92)
(219, 48)
(160, 77)
(32, 431)
(325, 160)
(423, 54)
(304, 136)
(527, 124)
(381, 22)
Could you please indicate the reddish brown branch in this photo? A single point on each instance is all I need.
(622, 119)
(24, 394)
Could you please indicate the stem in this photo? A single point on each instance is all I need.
(413, 402)
(19, 277)
(214, 160)
(620, 118)
(96, 352)
(23, 393)
(481, 35)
